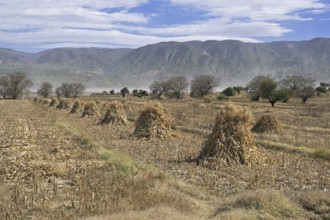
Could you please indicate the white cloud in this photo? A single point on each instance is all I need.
(49, 23)
(256, 10)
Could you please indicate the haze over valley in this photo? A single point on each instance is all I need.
(232, 62)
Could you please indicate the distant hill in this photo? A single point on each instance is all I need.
(231, 61)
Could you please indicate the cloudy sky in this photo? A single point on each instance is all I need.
(34, 25)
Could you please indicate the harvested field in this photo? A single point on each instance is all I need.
(59, 165)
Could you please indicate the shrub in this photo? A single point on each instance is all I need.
(229, 91)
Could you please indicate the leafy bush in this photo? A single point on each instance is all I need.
(229, 91)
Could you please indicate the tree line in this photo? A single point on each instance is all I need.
(17, 84)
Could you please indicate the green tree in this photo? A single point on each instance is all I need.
(321, 89)
(124, 91)
(253, 86)
(266, 87)
(229, 91)
(279, 95)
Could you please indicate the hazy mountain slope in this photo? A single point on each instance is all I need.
(231, 61)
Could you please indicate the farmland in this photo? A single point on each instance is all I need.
(59, 165)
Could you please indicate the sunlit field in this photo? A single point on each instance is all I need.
(56, 164)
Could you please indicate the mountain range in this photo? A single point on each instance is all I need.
(232, 62)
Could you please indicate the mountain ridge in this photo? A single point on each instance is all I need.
(231, 61)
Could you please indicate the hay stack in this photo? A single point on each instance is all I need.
(77, 107)
(63, 104)
(153, 122)
(231, 141)
(53, 102)
(46, 101)
(90, 109)
(267, 123)
(113, 113)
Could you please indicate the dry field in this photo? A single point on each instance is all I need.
(57, 165)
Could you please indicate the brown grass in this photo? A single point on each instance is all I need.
(59, 166)
(263, 204)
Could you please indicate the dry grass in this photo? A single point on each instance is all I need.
(57, 165)
(263, 204)
(316, 202)
(155, 213)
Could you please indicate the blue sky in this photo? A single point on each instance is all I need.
(37, 25)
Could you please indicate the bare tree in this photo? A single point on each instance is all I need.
(70, 90)
(296, 83)
(306, 93)
(19, 84)
(4, 86)
(58, 92)
(77, 89)
(158, 88)
(202, 85)
(46, 88)
(177, 86)
(301, 86)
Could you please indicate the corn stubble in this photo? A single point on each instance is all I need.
(57, 172)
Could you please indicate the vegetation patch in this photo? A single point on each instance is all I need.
(263, 204)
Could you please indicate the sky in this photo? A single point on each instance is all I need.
(36, 25)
